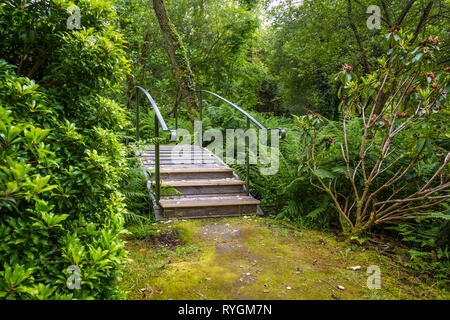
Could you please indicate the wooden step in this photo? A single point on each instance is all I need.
(174, 160)
(179, 161)
(177, 147)
(196, 173)
(242, 194)
(170, 167)
(171, 161)
(167, 152)
(210, 212)
(199, 170)
(179, 153)
(202, 182)
(209, 206)
(182, 150)
(208, 186)
(176, 156)
(208, 201)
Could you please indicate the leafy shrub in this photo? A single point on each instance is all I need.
(384, 163)
(60, 157)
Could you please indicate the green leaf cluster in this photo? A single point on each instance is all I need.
(61, 157)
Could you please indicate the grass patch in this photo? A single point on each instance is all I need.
(258, 258)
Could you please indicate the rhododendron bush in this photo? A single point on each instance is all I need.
(387, 161)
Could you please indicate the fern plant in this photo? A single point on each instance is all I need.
(134, 188)
(133, 185)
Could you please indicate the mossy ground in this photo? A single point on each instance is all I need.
(259, 258)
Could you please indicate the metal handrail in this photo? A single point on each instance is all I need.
(158, 115)
(281, 134)
(158, 120)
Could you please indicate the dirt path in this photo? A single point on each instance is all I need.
(257, 258)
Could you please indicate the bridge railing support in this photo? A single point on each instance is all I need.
(159, 121)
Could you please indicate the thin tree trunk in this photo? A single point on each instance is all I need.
(138, 76)
(423, 20)
(386, 13)
(404, 12)
(145, 49)
(358, 39)
(178, 56)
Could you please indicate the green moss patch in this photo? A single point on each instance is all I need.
(259, 258)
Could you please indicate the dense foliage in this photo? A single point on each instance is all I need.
(308, 43)
(60, 157)
(354, 101)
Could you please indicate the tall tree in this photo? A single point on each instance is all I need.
(309, 41)
(178, 56)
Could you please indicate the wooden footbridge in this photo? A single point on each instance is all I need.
(207, 186)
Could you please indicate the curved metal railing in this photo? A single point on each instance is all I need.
(158, 116)
(281, 134)
(159, 121)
